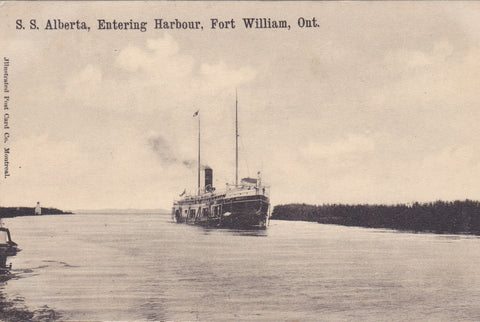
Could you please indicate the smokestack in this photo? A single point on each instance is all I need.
(208, 177)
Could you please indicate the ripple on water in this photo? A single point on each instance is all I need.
(143, 267)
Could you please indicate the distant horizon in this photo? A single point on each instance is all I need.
(165, 210)
(118, 210)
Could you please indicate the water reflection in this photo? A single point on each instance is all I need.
(14, 309)
(237, 232)
(438, 235)
(5, 270)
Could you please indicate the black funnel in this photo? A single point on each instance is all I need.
(208, 177)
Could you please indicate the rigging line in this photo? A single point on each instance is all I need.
(242, 146)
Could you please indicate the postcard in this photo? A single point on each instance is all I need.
(245, 160)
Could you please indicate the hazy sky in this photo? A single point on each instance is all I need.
(381, 103)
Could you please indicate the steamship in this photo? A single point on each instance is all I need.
(244, 205)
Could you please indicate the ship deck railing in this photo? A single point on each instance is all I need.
(243, 190)
(229, 192)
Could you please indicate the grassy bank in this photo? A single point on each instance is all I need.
(439, 217)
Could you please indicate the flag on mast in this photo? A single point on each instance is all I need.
(196, 113)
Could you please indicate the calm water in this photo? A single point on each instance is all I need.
(143, 267)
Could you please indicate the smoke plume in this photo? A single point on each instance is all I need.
(167, 156)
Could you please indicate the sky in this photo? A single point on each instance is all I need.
(379, 104)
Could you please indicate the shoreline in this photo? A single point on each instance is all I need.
(11, 212)
(440, 217)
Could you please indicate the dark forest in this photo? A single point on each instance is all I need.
(439, 217)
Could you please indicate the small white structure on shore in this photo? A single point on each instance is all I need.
(38, 209)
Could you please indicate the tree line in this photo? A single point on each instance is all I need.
(439, 217)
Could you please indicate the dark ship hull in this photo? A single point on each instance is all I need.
(240, 208)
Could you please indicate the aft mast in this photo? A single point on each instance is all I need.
(198, 154)
(236, 138)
